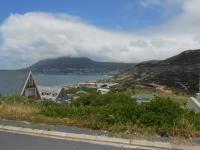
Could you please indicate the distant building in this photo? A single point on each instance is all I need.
(194, 103)
(64, 96)
(58, 94)
(19, 83)
(80, 94)
(30, 88)
(49, 93)
(103, 90)
(96, 85)
(87, 85)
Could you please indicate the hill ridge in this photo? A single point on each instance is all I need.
(180, 71)
(80, 65)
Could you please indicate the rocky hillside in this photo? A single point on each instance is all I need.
(180, 71)
(78, 65)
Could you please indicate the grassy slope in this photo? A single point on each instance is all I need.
(112, 112)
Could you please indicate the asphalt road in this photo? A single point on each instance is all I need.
(12, 141)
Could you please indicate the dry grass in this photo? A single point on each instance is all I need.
(15, 112)
(30, 114)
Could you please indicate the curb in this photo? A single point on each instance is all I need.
(101, 140)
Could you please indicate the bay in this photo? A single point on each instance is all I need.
(64, 80)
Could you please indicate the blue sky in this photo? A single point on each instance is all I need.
(103, 30)
(113, 14)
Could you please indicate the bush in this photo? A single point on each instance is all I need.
(16, 100)
(115, 113)
(161, 113)
(52, 109)
(192, 118)
(102, 100)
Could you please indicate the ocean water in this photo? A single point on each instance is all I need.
(13, 81)
(63, 80)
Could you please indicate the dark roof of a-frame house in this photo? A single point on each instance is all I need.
(12, 82)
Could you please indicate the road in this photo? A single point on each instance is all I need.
(12, 141)
(25, 136)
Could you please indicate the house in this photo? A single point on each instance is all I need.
(30, 88)
(87, 85)
(194, 103)
(103, 90)
(64, 96)
(79, 94)
(49, 93)
(59, 94)
(18, 82)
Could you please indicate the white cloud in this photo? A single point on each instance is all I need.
(27, 38)
(151, 3)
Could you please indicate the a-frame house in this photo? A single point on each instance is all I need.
(30, 88)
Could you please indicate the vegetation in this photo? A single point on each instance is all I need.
(115, 112)
(73, 90)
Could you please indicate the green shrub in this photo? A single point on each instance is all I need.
(115, 113)
(16, 100)
(101, 100)
(192, 118)
(161, 113)
(53, 109)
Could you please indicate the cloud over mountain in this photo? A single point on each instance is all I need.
(27, 38)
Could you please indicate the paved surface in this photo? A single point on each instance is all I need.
(69, 129)
(11, 141)
(60, 128)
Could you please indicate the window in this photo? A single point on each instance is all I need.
(30, 92)
(54, 94)
(31, 82)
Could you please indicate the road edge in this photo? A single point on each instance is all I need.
(100, 140)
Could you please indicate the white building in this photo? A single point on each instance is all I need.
(49, 93)
(58, 94)
(194, 103)
(103, 90)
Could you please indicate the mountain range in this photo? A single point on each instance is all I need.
(180, 71)
(79, 65)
